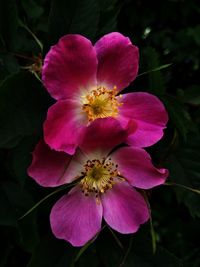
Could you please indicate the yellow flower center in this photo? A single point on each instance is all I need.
(99, 176)
(101, 103)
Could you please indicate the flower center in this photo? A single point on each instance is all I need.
(101, 103)
(99, 176)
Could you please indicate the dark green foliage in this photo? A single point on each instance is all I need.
(166, 32)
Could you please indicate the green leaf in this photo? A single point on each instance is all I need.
(141, 256)
(52, 252)
(178, 115)
(73, 16)
(20, 200)
(184, 166)
(108, 18)
(8, 65)
(191, 95)
(156, 80)
(23, 105)
(9, 23)
(8, 215)
(138, 252)
(32, 9)
(20, 158)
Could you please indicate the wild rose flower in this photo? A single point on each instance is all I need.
(105, 183)
(87, 81)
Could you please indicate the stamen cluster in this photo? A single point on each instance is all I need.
(101, 103)
(99, 176)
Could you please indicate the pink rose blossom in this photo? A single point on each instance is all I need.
(87, 81)
(106, 181)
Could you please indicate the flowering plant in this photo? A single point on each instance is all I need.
(87, 81)
(105, 181)
(99, 133)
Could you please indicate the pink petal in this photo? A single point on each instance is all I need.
(117, 60)
(51, 168)
(48, 166)
(135, 165)
(76, 218)
(149, 113)
(103, 135)
(70, 65)
(124, 209)
(64, 126)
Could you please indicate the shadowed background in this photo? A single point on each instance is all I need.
(166, 32)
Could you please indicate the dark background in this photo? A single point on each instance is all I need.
(166, 32)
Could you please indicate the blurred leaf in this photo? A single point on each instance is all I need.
(32, 8)
(73, 16)
(89, 258)
(184, 166)
(194, 33)
(108, 18)
(191, 95)
(52, 252)
(19, 159)
(156, 81)
(141, 256)
(5, 248)
(138, 252)
(20, 200)
(23, 105)
(193, 259)
(9, 23)
(8, 65)
(8, 216)
(178, 115)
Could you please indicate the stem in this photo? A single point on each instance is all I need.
(127, 252)
(184, 187)
(32, 34)
(156, 69)
(43, 199)
(83, 249)
(116, 238)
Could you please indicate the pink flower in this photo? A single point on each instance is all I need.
(86, 80)
(105, 183)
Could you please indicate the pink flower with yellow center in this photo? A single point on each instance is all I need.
(87, 81)
(106, 177)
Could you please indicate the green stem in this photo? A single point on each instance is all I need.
(127, 252)
(152, 231)
(43, 199)
(116, 238)
(184, 187)
(156, 69)
(32, 34)
(83, 249)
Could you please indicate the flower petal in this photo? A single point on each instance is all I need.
(69, 66)
(51, 168)
(124, 209)
(64, 126)
(103, 135)
(117, 61)
(76, 218)
(135, 165)
(149, 113)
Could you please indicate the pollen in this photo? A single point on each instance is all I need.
(99, 176)
(101, 103)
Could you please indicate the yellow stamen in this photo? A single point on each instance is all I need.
(101, 103)
(99, 176)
